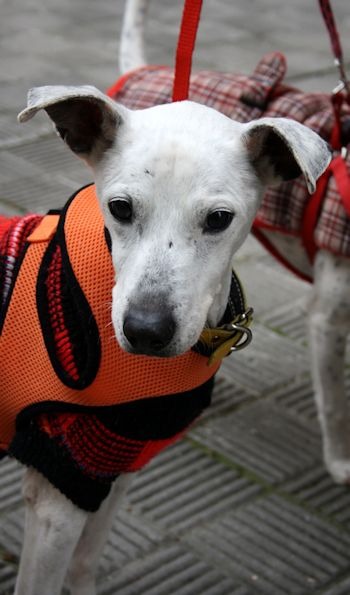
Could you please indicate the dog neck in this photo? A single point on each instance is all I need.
(221, 298)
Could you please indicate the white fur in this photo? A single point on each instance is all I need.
(171, 203)
(329, 326)
(329, 321)
(62, 540)
(176, 163)
(131, 50)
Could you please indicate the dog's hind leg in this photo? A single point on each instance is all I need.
(82, 571)
(131, 51)
(329, 326)
(53, 525)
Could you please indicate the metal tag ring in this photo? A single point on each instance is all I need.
(246, 334)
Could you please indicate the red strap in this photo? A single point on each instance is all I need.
(327, 13)
(338, 169)
(337, 103)
(185, 47)
(342, 177)
(328, 17)
(311, 214)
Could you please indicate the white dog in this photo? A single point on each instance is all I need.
(179, 186)
(329, 308)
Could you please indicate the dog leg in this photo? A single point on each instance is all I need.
(82, 572)
(131, 52)
(329, 325)
(53, 526)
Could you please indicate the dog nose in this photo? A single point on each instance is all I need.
(148, 331)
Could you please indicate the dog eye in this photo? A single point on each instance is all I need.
(121, 209)
(218, 221)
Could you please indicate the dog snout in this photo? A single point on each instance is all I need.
(149, 331)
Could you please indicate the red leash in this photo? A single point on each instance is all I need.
(342, 92)
(337, 168)
(330, 23)
(338, 94)
(187, 39)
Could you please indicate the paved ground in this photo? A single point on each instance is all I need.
(243, 505)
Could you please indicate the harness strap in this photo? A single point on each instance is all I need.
(343, 181)
(311, 214)
(45, 230)
(338, 169)
(185, 47)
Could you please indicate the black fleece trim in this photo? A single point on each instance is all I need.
(79, 319)
(35, 449)
(152, 418)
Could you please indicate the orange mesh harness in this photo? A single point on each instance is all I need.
(38, 369)
(73, 404)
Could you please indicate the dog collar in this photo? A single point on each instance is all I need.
(233, 332)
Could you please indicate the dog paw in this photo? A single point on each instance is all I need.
(339, 469)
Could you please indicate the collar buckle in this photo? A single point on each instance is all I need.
(225, 339)
(241, 326)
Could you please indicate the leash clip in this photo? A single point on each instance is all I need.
(239, 327)
(344, 153)
(343, 82)
(340, 86)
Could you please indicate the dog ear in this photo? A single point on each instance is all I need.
(85, 118)
(281, 149)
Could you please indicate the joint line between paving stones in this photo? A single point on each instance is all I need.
(318, 72)
(21, 142)
(266, 487)
(334, 582)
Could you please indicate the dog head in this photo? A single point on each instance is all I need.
(179, 187)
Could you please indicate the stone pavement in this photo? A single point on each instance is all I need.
(243, 504)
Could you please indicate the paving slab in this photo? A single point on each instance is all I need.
(271, 360)
(243, 505)
(301, 554)
(316, 489)
(184, 486)
(286, 445)
(172, 570)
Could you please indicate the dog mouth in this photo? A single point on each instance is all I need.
(152, 349)
(161, 354)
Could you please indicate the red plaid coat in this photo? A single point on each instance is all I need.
(245, 98)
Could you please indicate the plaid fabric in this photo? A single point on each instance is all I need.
(13, 234)
(245, 98)
(82, 452)
(102, 454)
